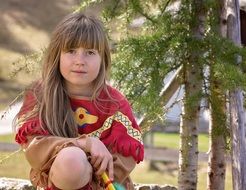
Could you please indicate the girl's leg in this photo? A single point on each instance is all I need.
(70, 169)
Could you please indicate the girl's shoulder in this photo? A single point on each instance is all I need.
(117, 98)
(115, 93)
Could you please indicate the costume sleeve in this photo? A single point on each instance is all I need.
(122, 169)
(30, 126)
(123, 166)
(125, 137)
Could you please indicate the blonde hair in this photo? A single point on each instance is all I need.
(54, 109)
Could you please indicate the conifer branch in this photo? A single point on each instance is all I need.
(165, 7)
(166, 95)
(139, 9)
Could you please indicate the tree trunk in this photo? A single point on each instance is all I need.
(217, 159)
(192, 78)
(243, 26)
(237, 114)
(237, 121)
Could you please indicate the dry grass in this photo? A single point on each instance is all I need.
(159, 173)
(25, 28)
(167, 173)
(14, 167)
(164, 173)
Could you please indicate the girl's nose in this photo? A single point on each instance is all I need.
(80, 58)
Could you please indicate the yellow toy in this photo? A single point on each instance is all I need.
(109, 185)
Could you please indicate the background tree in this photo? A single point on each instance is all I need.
(192, 82)
(178, 34)
(217, 99)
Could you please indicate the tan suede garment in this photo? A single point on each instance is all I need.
(42, 151)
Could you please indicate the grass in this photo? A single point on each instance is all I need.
(9, 138)
(171, 140)
(169, 175)
(17, 167)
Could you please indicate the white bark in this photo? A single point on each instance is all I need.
(237, 117)
(237, 120)
(192, 77)
(217, 162)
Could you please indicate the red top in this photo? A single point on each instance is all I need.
(113, 123)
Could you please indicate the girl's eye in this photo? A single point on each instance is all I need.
(71, 51)
(90, 52)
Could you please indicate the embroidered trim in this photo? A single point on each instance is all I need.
(106, 125)
(124, 120)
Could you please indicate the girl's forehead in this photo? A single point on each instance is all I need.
(81, 45)
(76, 42)
(90, 38)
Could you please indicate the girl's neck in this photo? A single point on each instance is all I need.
(80, 92)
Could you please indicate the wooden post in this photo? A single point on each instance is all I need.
(243, 26)
(237, 114)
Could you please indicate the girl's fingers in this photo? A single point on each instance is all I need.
(103, 167)
(94, 159)
(97, 163)
(111, 170)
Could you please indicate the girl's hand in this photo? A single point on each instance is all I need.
(101, 158)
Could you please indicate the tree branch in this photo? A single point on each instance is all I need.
(165, 95)
(139, 9)
(165, 6)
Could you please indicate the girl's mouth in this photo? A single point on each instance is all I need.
(82, 72)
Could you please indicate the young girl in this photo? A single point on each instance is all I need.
(72, 125)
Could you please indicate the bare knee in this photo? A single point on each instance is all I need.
(71, 169)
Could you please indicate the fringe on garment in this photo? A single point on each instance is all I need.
(28, 129)
(121, 142)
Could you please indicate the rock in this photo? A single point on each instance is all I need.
(15, 184)
(153, 187)
(21, 184)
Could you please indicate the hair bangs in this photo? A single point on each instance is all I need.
(89, 37)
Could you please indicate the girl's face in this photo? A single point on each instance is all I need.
(80, 67)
